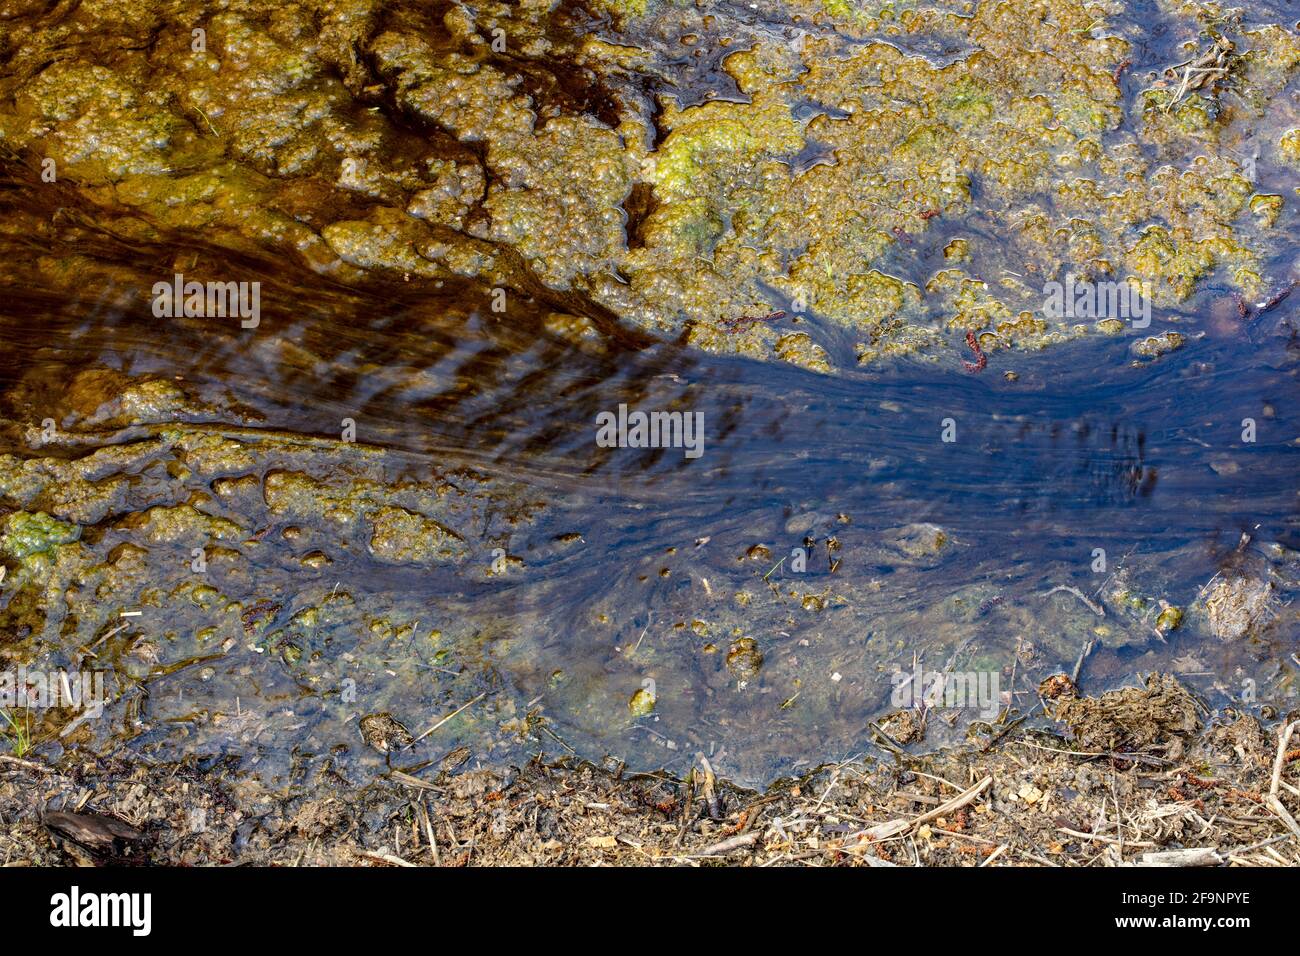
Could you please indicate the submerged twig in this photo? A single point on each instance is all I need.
(447, 718)
(1078, 665)
(1199, 69)
(1092, 605)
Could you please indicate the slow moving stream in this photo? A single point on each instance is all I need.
(388, 496)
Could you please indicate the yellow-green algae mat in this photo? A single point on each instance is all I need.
(888, 173)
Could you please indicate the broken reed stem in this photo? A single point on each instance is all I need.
(1279, 762)
(1078, 665)
(729, 844)
(894, 828)
(387, 858)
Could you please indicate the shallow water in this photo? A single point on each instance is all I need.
(629, 569)
(1083, 451)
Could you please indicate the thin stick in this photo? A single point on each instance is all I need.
(896, 827)
(387, 858)
(1015, 663)
(729, 844)
(1275, 804)
(956, 803)
(119, 628)
(428, 831)
(414, 782)
(994, 855)
(447, 718)
(1201, 594)
(1078, 665)
(25, 764)
(1113, 841)
(642, 637)
(1092, 605)
(1094, 753)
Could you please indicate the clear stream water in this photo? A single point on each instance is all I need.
(1083, 451)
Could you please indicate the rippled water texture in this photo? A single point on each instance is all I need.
(474, 544)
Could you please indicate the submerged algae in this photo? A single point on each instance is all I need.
(220, 540)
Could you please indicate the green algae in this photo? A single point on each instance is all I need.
(403, 537)
(273, 133)
(26, 534)
(1289, 146)
(642, 703)
(1154, 346)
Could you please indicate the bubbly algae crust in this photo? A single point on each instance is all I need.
(889, 175)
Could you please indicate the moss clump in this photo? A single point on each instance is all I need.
(1169, 619)
(1289, 146)
(1154, 346)
(642, 703)
(1159, 715)
(744, 659)
(404, 537)
(26, 534)
(799, 349)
